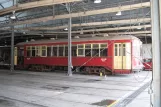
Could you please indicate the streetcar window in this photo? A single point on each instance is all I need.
(48, 51)
(81, 50)
(124, 50)
(33, 51)
(74, 50)
(28, 51)
(120, 48)
(95, 50)
(17, 52)
(116, 50)
(38, 51)
(87, 49)
(66, 50)
(54, 51)
(103, 49)
(61, 50)
(43, 51)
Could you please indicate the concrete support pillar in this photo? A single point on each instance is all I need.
(156, 42)
(12, 47)
(69, 43)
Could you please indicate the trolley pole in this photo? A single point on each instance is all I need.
(12, 46)
(69, 43)
(156, 47)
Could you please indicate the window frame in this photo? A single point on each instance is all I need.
(43, 49)
(28, 48)
(88, 48)
(81, 48)
(95, 48)
(106, 48)
(75, 50)
(50, 51)
(63, 50)
(57, 48)
(38, 51)
(31, 49)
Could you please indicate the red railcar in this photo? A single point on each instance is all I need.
(147, 64)
(112, 54)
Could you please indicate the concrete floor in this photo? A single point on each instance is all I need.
(40, 89)
(143, 100)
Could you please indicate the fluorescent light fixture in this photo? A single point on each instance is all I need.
(66, 29)
(118, 13)
(97, 1)
(139, 26)
(13, 16)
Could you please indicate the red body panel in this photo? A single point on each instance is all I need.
(76, 61)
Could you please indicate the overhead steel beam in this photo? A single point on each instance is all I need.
(114, 29)
(42, 3)
(146, 35)
(107, 29)
(1, 5)
(87, 13)
(125, 21)
(136, 33)
(111, 29)
(132, 33)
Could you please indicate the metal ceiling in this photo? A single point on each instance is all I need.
(34, 19)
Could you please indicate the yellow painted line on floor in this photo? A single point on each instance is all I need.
(112, 103)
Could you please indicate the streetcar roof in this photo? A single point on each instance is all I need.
(123, 37)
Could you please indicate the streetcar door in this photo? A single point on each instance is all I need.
(15, 56)
(126, 55)
(117, 56)
(20, 56)
(122, 56)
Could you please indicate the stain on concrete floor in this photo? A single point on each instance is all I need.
(6, 103)
(104, 103)
(50, 87)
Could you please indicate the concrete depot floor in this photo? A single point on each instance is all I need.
(142, 100)
(48, 89)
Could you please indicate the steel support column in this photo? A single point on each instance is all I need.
(156, 42)
(69, 43)
(12, 47)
